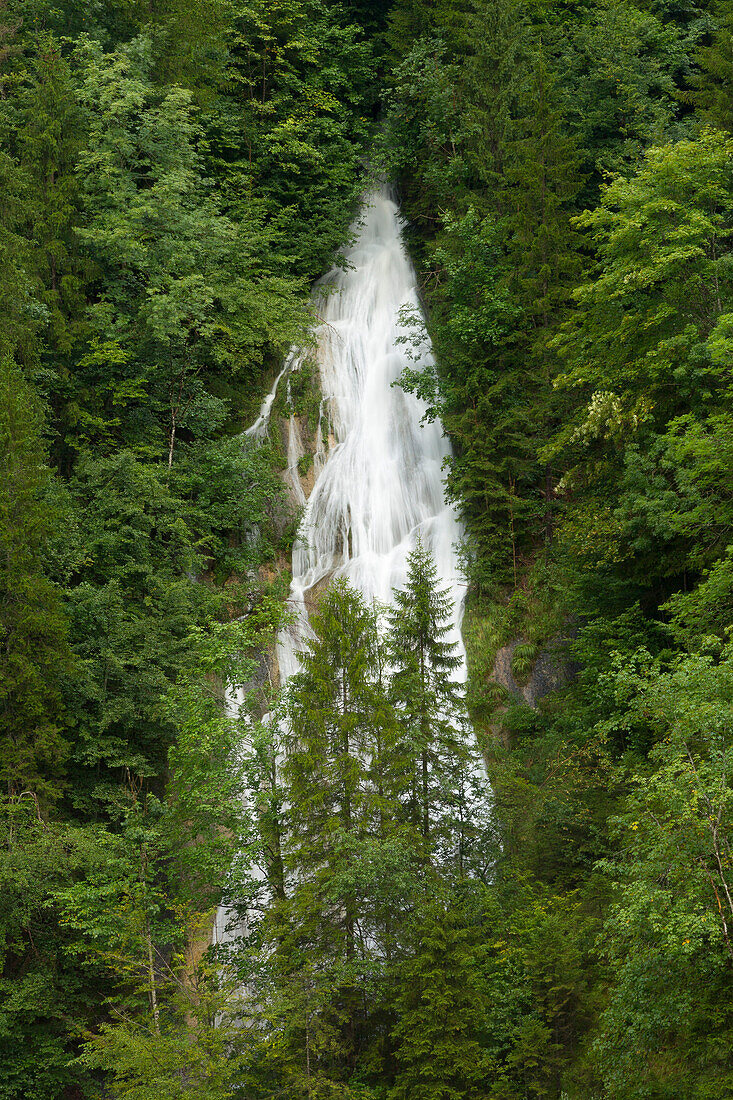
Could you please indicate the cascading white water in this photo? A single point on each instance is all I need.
(381, 485)
(379, 482)
(258, 430)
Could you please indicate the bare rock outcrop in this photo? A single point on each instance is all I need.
(551, 669)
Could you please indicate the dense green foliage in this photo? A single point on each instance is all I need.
(569, 177)
(174, 175)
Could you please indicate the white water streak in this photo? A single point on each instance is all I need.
(381, 484)
(258, 430)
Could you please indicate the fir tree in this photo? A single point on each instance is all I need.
(49, 139)
(542, 179)
(494, 49)
(21, 311)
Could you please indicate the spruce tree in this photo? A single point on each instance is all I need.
(712, 84)
(440, 1007)
(493, 49)
(49, 139)
(479, 391)
(34, 655)
(21, 312)
(541, 181)
(336, 720)
(428, 699)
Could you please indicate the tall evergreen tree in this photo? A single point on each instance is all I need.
(21, 311)
(541, 181)
(429, 703)
(337, 720)
(712, 83)
(440, 1006)
(494, 46)
(34, 654)
(50, 137)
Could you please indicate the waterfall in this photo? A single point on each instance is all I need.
(379, 483)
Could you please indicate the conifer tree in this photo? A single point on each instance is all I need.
(21, 312)
(541, 181)
(494, 49)
(34, 655)
(49, 139)
(479, 391)
(440, 1009)
(428, 700)
(712, 84)
(192, 47)
(336, 720)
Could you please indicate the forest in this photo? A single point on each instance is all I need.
(520, 888)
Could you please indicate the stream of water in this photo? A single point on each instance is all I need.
(381, 483)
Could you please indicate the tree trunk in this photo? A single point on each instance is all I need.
(172, 440)
(151, 978)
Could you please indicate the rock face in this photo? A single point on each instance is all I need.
(551, 669)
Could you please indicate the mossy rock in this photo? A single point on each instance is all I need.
(523, 658)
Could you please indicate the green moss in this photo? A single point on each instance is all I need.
(304, 465)
(305, 392)
(533, 614)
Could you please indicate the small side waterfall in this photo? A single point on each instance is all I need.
(381, 484)
(379, 476)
